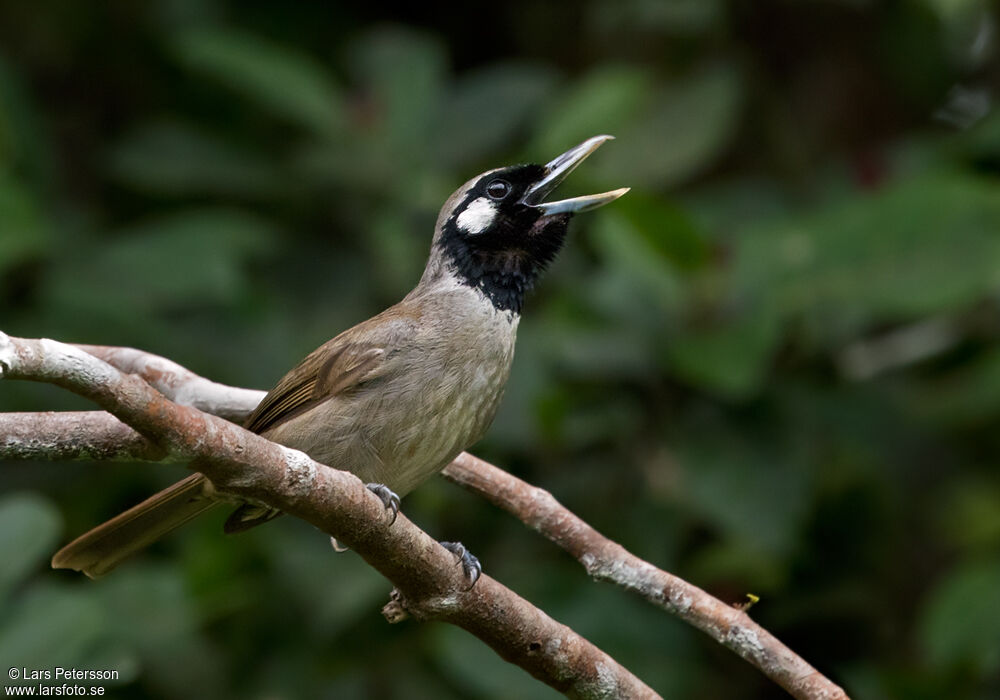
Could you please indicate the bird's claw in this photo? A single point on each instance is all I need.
(470, 564)
(389, 499)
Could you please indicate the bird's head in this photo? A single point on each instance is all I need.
(496, 233)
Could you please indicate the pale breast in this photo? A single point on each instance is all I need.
(440, 397)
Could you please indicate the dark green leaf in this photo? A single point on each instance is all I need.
(51, 626)
(680, 132)
(405, 71)
(190, 257)
(24, 233)
(30, 529)
(604, 102)
(961, 619)
(290, 84)
(487, 109)
(176, 159)
(751, 493)
(922, 246)
(728, 356)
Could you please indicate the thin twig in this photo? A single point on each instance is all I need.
(609, 561)
(180, 384)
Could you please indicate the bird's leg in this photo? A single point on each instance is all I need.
(470, 564)
(389, 499)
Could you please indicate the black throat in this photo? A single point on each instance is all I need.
(504, 265)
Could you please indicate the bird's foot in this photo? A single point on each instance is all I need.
(389, 499)
(470, 564)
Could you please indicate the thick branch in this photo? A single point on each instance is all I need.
(97, 434)
(247, 465)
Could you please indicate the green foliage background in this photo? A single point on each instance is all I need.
(772, 368)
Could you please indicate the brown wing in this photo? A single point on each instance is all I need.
(331, 369)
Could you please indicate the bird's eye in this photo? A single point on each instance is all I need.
(498, 189)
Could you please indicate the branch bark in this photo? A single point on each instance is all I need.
(65, 435)
(98, 435)
(180, 384)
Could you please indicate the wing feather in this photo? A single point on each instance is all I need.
(331, 370)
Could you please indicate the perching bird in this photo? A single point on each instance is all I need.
(397, 397)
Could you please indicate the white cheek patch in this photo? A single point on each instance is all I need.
(478, 216)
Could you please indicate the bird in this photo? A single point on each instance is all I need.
(397, 397)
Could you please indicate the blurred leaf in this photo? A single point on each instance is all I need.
(194, 257)
(24, 234)
(667, 230)
(955, 10)
(400, 254)
(730, 562)
(486, 109)
(967, 396)
(579, 422)
(405, 72)
(968, 26)
(654, 16)
(913, 53)
(51, 626)
(682, 129)
(10, 104)
(726, 210)
(22, 146)
(516, 426)
(637, 259)
(922, 246)
(309, 570)
(603, 102)
(727, 356)
(865, 680)
(174, 655)
(961, 619)
(980, 143)
(583, 352)
(752, 493)
(970, 514)
(176, 159)
(290, 84)
(30, 527)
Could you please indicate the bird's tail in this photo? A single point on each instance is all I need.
(98, 551)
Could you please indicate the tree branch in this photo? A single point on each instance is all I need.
(180, 384)
(64, 435)
(241, 463)
(609, 561)
(98, 435)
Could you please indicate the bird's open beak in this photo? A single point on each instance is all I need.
(557, 170)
